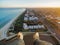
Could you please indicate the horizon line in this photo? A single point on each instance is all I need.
(31, 7)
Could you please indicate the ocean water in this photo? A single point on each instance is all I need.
(7, 14)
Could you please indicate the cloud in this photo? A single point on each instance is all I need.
(29, 3)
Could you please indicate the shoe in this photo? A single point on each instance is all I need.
(20, 35)
(36, 36)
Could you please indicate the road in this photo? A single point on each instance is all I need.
(48, 25)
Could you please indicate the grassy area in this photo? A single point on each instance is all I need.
(18, 26)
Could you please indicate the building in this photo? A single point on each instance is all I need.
(31, 22)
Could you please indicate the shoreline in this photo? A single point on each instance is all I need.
(6, 27)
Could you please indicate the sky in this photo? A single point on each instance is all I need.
(29, 3)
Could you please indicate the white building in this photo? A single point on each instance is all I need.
(26, 18)
(26, 15)
(25, 26)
